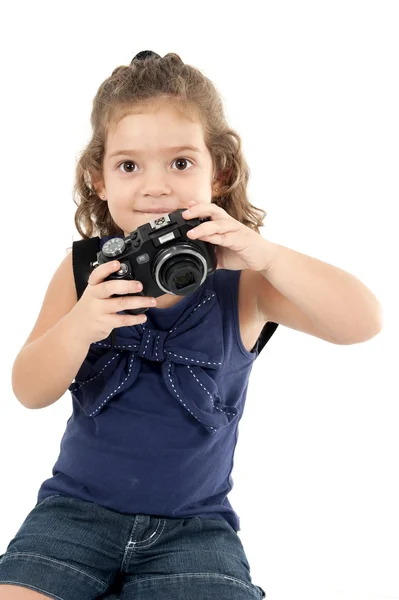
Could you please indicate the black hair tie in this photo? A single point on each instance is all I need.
(145, 54)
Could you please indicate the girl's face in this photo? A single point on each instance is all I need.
(155, 162)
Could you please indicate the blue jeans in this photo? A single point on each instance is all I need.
(69, 549)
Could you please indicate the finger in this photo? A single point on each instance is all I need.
(211, 228)
(115, 305)
(205, 210)
(102, 271)
(121, 287)
(128, 320)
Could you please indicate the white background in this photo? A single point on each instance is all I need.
(312, 88)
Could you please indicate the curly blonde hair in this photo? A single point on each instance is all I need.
(149, 80)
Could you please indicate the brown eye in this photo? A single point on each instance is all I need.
(182, 163)
(128, 162)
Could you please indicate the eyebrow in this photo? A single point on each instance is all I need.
(165, 150)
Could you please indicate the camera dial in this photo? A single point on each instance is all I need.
(114, 247)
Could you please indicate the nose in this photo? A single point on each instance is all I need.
(155, 183)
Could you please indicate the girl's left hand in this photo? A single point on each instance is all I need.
(237, 246)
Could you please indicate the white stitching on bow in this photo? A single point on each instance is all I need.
(118, 388)
(98, 374)
(180, 400)
(209, 394)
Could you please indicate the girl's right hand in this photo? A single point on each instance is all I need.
(95, 314)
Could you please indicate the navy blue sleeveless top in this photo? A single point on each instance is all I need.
(155, 416)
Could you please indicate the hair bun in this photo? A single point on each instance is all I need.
(145, 54)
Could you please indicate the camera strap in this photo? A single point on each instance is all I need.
(83, 253)
(265, 335)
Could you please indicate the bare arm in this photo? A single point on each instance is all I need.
(52, 355)
(46, 367)
(60, 340)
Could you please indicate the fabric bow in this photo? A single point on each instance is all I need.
(189, 353)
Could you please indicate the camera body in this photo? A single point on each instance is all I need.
(161, 257)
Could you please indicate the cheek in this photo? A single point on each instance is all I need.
(122, 202)
(201, 193)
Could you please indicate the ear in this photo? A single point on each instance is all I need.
(224, 175)
(99, 188)
(222, 178)
(217, 185)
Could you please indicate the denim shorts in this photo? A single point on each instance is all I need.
(69, 549)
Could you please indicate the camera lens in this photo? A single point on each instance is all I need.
(182, 280)
(180, 274)
(180, 269)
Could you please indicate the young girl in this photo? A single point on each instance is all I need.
(137, 504)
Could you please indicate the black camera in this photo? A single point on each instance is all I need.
(161, 257)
